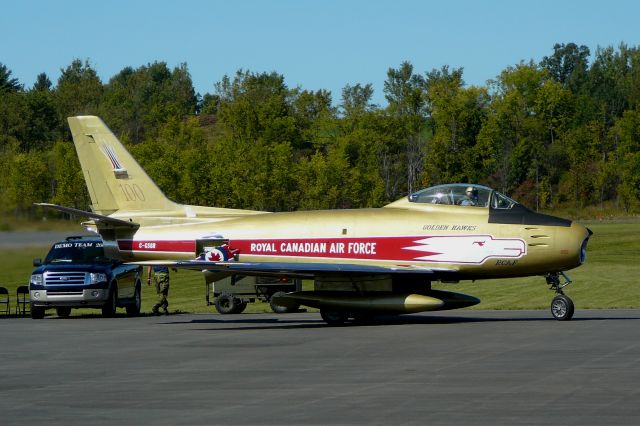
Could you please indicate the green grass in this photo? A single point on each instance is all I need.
(609, 279)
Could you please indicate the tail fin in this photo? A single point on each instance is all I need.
(115, 180)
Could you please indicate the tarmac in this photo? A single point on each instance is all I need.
(457, 367)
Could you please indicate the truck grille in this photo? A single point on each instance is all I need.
(64, 278)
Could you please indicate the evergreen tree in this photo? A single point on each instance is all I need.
(8, 84)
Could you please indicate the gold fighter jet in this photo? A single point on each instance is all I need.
(363, 262)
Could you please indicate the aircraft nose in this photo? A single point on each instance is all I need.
(573, 245)
(583, 246)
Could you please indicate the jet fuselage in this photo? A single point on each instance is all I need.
(401, 235)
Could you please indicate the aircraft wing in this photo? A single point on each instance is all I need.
(291, 269)
(98, 218)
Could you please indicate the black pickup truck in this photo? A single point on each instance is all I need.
(76, 274)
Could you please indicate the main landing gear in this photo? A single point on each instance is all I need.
(337, 318)
(561, 306)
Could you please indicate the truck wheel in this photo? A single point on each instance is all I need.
(133, 310)
(63, 311)
(281, 309)
(226, 304)
(37, 312)
(109, 308)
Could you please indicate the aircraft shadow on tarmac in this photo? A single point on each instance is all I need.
(284, 323)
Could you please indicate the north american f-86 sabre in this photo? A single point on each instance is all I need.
(362, 262)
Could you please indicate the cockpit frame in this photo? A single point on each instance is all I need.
(463, 194)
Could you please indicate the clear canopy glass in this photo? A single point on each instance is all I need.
(462, 194)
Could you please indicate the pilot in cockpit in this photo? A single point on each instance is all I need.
(470, 198)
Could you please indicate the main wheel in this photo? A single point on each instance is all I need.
(109, 308)
(333, 317)
(63, 311)
(37, 312)
(562, 308)
(281, 309)
(241, 307)
(226, 304)
(363, 318)
(133, 310)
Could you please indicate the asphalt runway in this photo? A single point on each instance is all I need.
(458, 367)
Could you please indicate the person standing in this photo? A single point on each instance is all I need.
(161, 281)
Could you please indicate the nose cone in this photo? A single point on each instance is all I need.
(575, 242)
(583, 246)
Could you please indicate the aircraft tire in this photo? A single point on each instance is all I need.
(226, 304)
(333, 318)
(37, 312)
(63, 311)
(281, 309)
(241, 307)
(562, 308)
(363, 318)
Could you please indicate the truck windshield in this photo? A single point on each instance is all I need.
(76, 252)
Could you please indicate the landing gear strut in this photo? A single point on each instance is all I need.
(561, 306)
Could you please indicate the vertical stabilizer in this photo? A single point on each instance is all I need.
(115, 180)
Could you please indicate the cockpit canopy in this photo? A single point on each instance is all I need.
(463, 194)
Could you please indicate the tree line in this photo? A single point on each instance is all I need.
(563, 131)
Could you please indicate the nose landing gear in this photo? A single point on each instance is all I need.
(561, 306)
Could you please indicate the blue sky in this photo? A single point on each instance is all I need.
(314, 44)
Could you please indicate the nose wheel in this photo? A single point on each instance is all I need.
(561, 306)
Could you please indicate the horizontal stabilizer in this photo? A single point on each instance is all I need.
(98, 218)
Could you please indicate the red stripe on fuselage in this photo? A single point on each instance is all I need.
(377, 248)
(404, 248)
(374, 248)
(176, 246)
